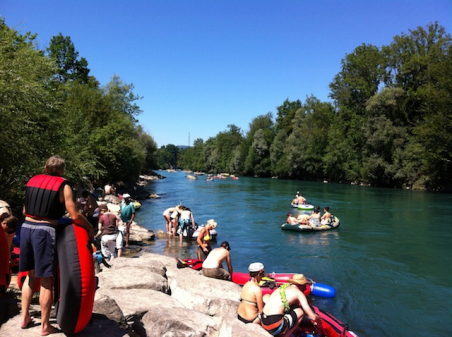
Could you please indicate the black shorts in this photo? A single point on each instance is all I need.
(277, 324)
(37, 248)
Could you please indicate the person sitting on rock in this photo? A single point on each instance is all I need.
(213, 264)
(251, 302)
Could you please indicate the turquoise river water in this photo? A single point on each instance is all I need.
(390, 260)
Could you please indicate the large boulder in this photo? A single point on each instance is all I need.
(177, 322)
(132, 278)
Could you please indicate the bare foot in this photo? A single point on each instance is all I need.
(49, 330)
(27, 323)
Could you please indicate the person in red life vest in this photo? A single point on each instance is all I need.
(47, 197)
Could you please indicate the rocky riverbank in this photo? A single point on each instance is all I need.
(148, 296)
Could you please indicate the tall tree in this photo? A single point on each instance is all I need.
(70, 67)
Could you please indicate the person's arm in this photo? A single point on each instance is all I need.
(75, 215)
(315, 319)
(131, 219)
(259, 300)
(99, 232)
(228, 261)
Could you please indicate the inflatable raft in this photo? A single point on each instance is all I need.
(271, 283)
(308, 228)
(274, 280)
(332, 327)
(76, 287)
(305, 207)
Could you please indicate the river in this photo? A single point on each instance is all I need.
(390, 261)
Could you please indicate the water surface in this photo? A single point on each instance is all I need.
(390, 260)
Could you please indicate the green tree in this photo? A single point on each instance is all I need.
(70, 67)
(27, 111)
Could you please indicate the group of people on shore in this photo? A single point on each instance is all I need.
(48, 198)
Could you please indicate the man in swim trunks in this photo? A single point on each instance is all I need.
(43, 208)
(127, 214)
(213, 264)
(286, 307)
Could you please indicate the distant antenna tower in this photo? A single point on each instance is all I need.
(189, 139)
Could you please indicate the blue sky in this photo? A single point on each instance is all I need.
(201, 65)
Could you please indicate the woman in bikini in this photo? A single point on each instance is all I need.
(251, 303)
(204, 238)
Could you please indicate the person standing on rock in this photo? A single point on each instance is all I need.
(108, 228)
(213, 264)
(127, 214)
(47, 197)
(90, 207)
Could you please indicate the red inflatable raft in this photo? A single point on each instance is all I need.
(76, 286)
(316, 289)
(332, 327)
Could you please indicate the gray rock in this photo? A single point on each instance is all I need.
(140, 301)
(150, 296)
(132, 278)
(179, 322)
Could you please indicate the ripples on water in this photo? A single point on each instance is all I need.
(390, 260)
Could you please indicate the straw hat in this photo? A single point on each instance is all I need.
(298, 279)
(212, 223)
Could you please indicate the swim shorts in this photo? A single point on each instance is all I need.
(37, 248)
(218, 273)
(277, 324)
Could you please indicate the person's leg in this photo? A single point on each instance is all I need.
(174, 225)
(111, 244)
(167, 223)
(45, 301)
(119, 243)
(27, 295)
(297, 318)
(127, 234)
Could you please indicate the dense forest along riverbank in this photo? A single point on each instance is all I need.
(389, 260)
